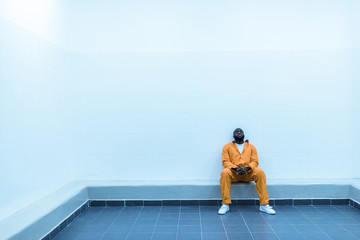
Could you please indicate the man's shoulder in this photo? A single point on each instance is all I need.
(228, 145)
(252, 146)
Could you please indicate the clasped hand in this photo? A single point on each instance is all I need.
(241, 170)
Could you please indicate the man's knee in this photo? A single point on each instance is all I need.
(258, 172)
(226, 172)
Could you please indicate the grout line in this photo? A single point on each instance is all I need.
(102, 236)
(319, 228)
(97, 215)
(201, 232)
(127, 236)
(272, 228)
(246, 224)
(152, 235)
(293, 225)
(90, 222)
(178, 225)
(227, 237)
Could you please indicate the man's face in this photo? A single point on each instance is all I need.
(239, 136)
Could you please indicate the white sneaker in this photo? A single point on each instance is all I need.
(267, 209)
(224, 209)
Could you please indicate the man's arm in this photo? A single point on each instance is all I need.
(226, 159)
(254, 160)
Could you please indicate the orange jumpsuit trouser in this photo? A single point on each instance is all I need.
(257, 174)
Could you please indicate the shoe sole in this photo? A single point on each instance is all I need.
(267, 212)
(223, 213)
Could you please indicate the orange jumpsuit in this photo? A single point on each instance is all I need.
(231, 157)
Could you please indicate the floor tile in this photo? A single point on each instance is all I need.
(331, 228)
(142, 228)
(102, 221)
(289, 236)
(119, 228)
(67, 236)
(265, 236)
(251, 215)
(189, 236)
(283, 228)
(239, 235)
(342, 236)
(353, 214)
(169, 216)
(170, 228)
(235, 223)
(296, 215)
(189, 215)
(152, 209)
(87, 228)
(279, 221)
(189, 209)
(164, 236)
(189, 229)
(212, 214)
(351, 227)
(316, 236)
(167, 222)
(347, 220)
(214, 236)
(211, 221)
(323, 221)
(233, 215)
(138, 236)
(75, 227)
(148, 216)
(355, 234)
(218, 228)
(307, 228)
(334, 215)
(115, 236)
(260, 228)
(256, 221)
(146, 221)
(300, 221)
(315, 215)
(170, 209)
(124, 223)
(237, 229)
(248, 208)
(90, 236)
(189, 221)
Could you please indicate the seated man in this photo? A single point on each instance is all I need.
(240, 163)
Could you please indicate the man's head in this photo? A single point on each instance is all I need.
(239, 136)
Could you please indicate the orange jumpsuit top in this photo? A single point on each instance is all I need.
(231, 156)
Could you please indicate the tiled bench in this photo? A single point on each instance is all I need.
(47, 217)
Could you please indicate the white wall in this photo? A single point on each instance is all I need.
(167, 115)
(35, 136)
(157, 25)
(162, 85)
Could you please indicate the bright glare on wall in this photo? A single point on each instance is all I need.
(36, 16)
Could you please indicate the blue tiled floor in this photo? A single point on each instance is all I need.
(203, 223)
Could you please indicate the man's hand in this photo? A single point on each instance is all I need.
(241, 170)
